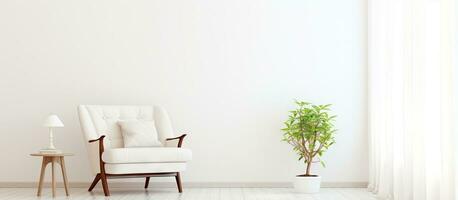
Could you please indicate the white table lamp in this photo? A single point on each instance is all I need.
(52, 121)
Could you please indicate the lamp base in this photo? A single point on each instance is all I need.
(50, 151)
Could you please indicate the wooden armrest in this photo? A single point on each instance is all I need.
(179, 138)
(101, 150)
(100, 138)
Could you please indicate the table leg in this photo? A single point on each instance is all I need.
(53, 177)
(42, 175)
(64, 175)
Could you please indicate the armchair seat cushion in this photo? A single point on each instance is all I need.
(146, 155)
(144, 168)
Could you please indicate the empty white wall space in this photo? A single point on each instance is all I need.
(227, 71)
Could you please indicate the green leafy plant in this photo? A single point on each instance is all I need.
(310, 130)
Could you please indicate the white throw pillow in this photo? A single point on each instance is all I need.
(137, 133)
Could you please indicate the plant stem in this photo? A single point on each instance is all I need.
(304, 148)
(309, 164)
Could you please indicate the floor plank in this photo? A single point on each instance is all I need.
(189, 194)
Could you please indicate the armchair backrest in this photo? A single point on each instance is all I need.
(98, 120)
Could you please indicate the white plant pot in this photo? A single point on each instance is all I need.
(307, 184)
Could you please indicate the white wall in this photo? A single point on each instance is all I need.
(227, 71)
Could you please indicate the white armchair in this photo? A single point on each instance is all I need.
(109, 158)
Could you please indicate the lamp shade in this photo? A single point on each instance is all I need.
(53, 121)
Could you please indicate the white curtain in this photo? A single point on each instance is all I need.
(411, 99)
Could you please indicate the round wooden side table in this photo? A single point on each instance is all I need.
(53, 159)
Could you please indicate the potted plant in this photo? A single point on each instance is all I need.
(310, 130)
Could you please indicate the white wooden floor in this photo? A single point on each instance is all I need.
(191, 194)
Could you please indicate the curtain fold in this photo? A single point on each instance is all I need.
(412, 52)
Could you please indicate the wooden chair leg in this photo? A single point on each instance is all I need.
(94, 183)
(178, 180)
(103, 177)
(146, 182)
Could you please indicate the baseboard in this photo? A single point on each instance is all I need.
(189, 184)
